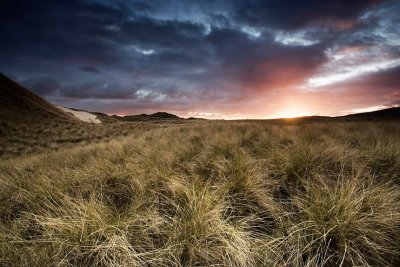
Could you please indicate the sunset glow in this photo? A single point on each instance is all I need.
(292, 112)
(215, 59)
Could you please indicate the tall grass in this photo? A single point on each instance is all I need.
(209, 194)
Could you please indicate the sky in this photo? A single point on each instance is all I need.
(213, 59)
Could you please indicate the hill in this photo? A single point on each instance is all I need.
(392, 113)
(19, 105)
(151, 117)
(155, 117)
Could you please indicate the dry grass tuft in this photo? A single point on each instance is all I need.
(206, 194)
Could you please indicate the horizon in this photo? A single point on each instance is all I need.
(266, 118)
(222, 60)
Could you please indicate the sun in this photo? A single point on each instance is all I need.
(293, 112)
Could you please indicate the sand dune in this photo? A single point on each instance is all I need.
(81, 115)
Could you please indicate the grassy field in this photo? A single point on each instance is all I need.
(18, 139)
(208, 194)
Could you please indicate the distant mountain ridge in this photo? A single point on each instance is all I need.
(150, 117)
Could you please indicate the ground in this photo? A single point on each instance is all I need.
(201, 193)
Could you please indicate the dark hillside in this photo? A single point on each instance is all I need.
(152, 117)
(18, 105)
(391, 113)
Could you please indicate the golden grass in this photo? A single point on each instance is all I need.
(32, 137)
(209, 194)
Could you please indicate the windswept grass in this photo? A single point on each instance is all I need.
(209, 194)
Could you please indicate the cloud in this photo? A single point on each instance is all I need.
(289, 14)
(192, 55)
(89, 69)
(381, 88)
(43, 86)
(264, 62)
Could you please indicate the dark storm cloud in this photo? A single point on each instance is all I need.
(43, 86)
(263, 61)
(97, 90)
(289, 14)
(171, 33)
(166, 52)
(88, 32)
(104, 88)
(89, 69)
(62, 30)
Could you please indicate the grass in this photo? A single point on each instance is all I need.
(32, 137)
(207, 194)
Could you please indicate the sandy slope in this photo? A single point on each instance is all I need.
(82, 115)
